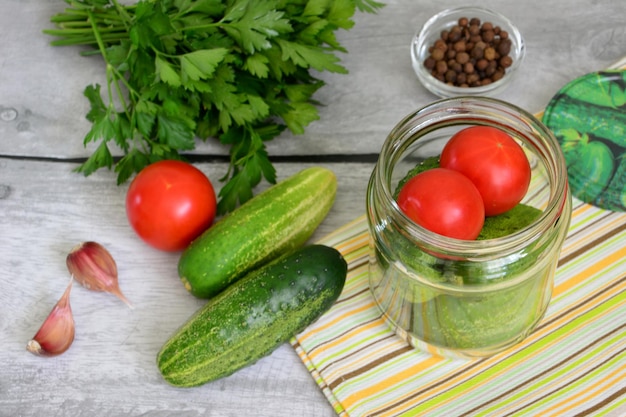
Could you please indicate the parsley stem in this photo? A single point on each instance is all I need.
(83, 30)
(70, 15)
(87, 40)
(81, 25)
(96, 34)
(113, 76)
(123, 12)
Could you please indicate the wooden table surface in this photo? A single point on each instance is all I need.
(45, 208)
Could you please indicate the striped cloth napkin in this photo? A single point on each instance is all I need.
(573, 364)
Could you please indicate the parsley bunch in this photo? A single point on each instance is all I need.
(177, 70)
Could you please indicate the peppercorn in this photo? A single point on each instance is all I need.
(478, 51)
(437, 54)
(463, 58)
(450, 76)
(490, 54)
(455, 34)
(471, 53)
(441, 44)
(455, 66)
(481, 64)
(488, 36)
(504, 47)
(505, 62)
(474, 30)
(441, 67)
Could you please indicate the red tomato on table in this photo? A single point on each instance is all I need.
(494, 162)
(445, 202)
(170, 203)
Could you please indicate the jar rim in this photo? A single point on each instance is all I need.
(468, 110)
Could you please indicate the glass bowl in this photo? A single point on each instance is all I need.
(465, 298)
(445, 20)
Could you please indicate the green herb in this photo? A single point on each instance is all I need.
(177, 70)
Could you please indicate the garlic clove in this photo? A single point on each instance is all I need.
(94, 268)
(56, 334)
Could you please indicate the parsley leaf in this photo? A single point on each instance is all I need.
(252, 23)
(310, 56)
(369, 6)
(100, 158)
(201, 64)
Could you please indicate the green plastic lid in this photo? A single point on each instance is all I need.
(588, 117)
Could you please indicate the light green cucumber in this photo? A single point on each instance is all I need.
(278, 220)
(253, 316)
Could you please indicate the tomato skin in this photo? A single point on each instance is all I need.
(494, 162)
(170, 203)
(445, 202)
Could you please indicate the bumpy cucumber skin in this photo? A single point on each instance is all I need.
(276, 221)
(254, 316)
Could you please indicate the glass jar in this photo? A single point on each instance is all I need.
(462, 298)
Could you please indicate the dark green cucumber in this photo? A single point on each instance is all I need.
(276, 221)
(253, 316)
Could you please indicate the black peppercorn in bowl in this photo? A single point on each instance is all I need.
(467, 51)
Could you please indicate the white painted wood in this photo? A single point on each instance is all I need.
(45, 209)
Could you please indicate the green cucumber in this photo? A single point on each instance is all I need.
(276, 221)
(512, 221)
(254, 316)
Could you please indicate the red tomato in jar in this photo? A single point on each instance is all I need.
(170, 203)
(493, 161)
(445, 202)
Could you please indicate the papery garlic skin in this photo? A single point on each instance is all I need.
(56, 334)
(94, 268)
